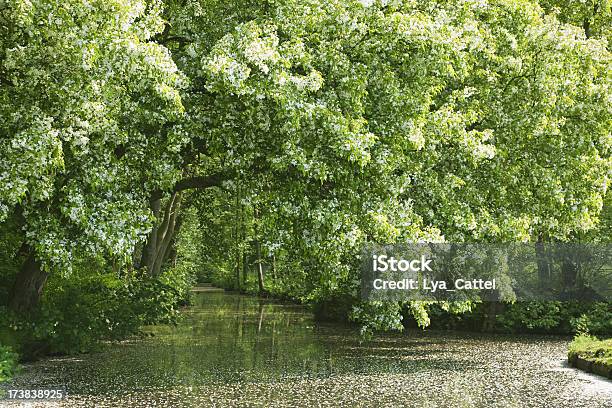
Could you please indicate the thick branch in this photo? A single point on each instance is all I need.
(211, 180)
(199, 182)
(181, 40)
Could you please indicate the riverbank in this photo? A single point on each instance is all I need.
(591, 355)
(233, 350)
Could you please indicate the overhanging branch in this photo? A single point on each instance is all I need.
(212, 180)
(199, 182)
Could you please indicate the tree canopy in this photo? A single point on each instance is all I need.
(330, 123)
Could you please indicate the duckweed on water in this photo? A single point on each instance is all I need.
(233, 350)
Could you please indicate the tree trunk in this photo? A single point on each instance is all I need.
(245, 268)
(542, 262)
(166, 233)
(490, 317)
(260, 275)
(172, 253)
(157, 247)
(569, 274)
(243, 237)
(137, 255)
(586, 25)
(237, 236)
(148, 252)
(29, 283)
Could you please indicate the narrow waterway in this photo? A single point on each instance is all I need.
(233, 350)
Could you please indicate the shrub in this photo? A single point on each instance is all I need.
(557, 317)
(591, 349)
(531, 316)
(596, 320)
(8, 363)
(76, 314)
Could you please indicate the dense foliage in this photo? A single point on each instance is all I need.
(594, 351)
(260, 144)
(8, 363)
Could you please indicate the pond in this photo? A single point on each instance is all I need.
(233, 350)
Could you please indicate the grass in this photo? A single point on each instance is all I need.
(8, 363)
(591, 349)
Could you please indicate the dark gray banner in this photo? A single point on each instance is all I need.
(493, 272)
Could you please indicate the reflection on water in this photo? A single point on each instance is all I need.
(233, 350)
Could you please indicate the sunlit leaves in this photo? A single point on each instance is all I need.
(83, 98)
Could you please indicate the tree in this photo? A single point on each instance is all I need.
(344, 122)
(594, 16)
(85, 100)
(386, 121)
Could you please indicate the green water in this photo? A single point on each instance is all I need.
(232, 350)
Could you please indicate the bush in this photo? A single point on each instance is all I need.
(591, 349)
(531, 316)
(596, 320)
(557, 317)
(76, 314)
(181, 279)
(8, 363)
(527, 317)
